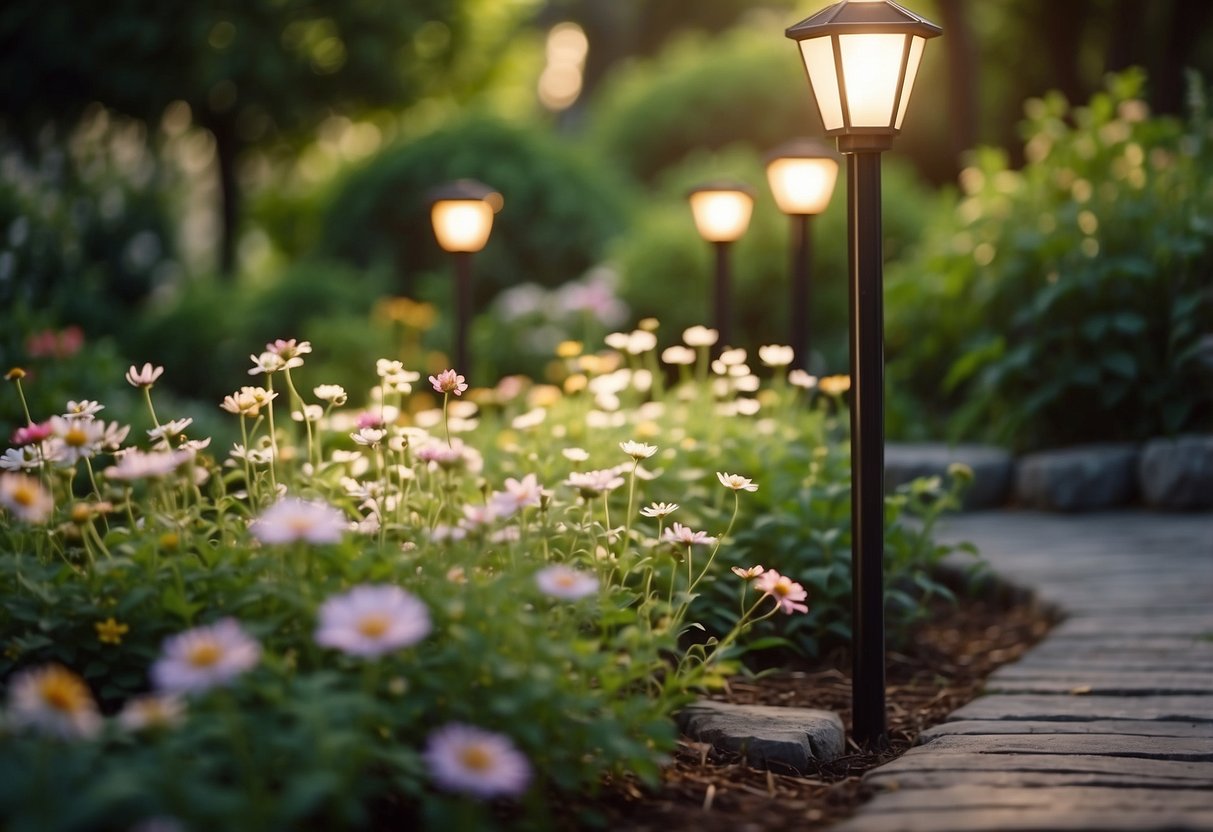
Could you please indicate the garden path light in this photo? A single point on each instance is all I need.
(722, 214)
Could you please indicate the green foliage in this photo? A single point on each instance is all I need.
(702, 94)
(666, 268)
(1067, 301)
(559, 209)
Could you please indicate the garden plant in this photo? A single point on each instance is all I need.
(443, 607)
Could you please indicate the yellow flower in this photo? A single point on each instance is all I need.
(834, 385)
(568, 349)
(15, 374)
(110, 631)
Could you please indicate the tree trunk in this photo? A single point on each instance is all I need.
(227, 151)
(962, 77)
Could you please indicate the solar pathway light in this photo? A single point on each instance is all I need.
(462, 215)
(801, 174)
(722, 214)
(862, 57)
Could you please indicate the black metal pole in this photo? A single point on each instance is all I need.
(723, 310)
(463, 311)
(867, 448)
(799, 314)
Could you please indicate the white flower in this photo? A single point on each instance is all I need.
(290, 350)
(83, 409)
(385, 368)
(683, 535)
(442, 533)
(334, 394)
(136, 465)
(800, 378)
(204, 657)
(475, 515)
(292, 519)
(369, 621)
(145, 377)
(637, 450)
(401, 382)
(463, 758)
(617, 341)
(677, 355)
(113, 435)
(736, 482)
(248, 401)
(531, 419)
(25, 458)
(575, 454)
(733, 357)
(775, 355)
(254, 456)
(26, 498)
(748, 407)
(700, 336)
(640, 342)
(312, 412)
(659, 510)
(747, 574)
(268, 363)
(518, 494)
(369, 436)
(562, 581)
(75, 439)
(593, 483)
(169, 430)
(152, 711)
(53, 700)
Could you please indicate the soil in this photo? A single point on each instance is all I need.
(952, 653)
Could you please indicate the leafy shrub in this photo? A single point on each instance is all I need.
(1067, 301)
(559, 208)
(666, 268)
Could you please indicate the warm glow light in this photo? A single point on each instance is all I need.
(916, 47)
(721, 216)
(802, 186)
(561, 80)
(823, 75)
(462, 225)
(871, 67)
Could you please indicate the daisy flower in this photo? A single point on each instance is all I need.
(518, 494)
(169, 430)
(835, 385)
(385, 367)
(678, 355)
(776, 355)
(134, 464)
(700, 336)
(76, 439)
(659, 510)
(637, 450)
(21, 459)
(464, 758)
(683, 535)
(371, 620)
(290, 351)
(334, 394)
(562, 581)
(151, 711)
(786, 592)
(82, 410)
(748, 574)
(26, 498)
(268, 363)
(32, 434)
(144, 377)
(802, 379)
(370, 437)
(736, 482)
(292, 519)
(575, 454)
(204, 657)
(448, 381)
(54, 700)
(248, 401)
(594, 483)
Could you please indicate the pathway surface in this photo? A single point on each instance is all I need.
(1108, 723)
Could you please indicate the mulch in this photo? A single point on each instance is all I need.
(952, 653)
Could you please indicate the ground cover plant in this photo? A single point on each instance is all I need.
(445, 608)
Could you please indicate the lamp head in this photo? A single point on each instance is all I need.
(462, 214)
(802, 174)
(722, 210)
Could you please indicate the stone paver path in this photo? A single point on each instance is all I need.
(1108, 723)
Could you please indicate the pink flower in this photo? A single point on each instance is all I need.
(562, 581)
(785, 591)
(32, 434)
(748, 574)
(292, 519)
(368, 420)
(144, 377)
(518, 494)
(369, 621)
(682, 535)
(205, 657)
(593, 483)
(463, 758)
(448, 381)
(53, 700)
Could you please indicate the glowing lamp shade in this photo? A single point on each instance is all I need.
(802, 175)
(462, 214)
(862, 58)
(722, 211)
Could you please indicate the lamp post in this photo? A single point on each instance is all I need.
(462, 215)
(722, 214)
(802, 174)
(862, 57)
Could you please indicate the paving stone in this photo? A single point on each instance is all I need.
(992, 468)
(1177, 473)
(1026, 779)
(1103, 745)
(1162, 624)
(1123, 727)
(1079, 708)
(768, 737)
(964, 797)
(1084, 478)
(1021, 819)
(926, 758)
(1064, 681)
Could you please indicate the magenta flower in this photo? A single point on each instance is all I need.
(32, 434)
(448, 381)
